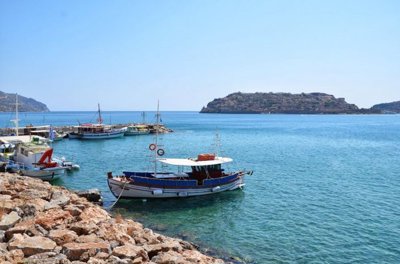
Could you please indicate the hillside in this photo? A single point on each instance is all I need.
(283, 103)
(7, 104)
(393, 107)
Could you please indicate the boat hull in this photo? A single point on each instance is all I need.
(102, 135)
(131, 190)
(108, 135)
(73, 135)
(136, 133)
(48, 174)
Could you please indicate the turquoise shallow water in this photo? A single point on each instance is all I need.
(325, 188)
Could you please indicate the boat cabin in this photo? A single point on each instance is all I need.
(91, 128)
(206, 166)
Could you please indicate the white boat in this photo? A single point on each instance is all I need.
(68, 165)
(33, 157)
(195, 176)
(134, 130)
(96, 131)
(45, 174)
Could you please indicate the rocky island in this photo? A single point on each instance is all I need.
(390, 108)
(41, 223)
(7, 104)
(283, 103)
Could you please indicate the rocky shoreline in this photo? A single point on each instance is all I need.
(41, 223)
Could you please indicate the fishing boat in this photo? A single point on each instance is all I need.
(137, 129)
(96, 131)
(33, 157)
(202, 175)
(205, 177)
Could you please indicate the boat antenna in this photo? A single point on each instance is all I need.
(100, 120)
(217, 143)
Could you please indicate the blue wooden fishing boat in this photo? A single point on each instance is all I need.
(195, 176)
(205, 176)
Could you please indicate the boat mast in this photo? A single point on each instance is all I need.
(156, 141)
(16, 115)
(100, 120)
(143, 117)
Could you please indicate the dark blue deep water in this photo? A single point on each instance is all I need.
(325, 188)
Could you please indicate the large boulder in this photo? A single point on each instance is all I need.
(54, 217)
(60, 198)
(12, 256)
(94, 214)
(169, 257)
(62, 236)
(22, 227)
(88, 238)
(31, 245)
(83, 228)
(195, 256)
(29, 194)
(130, 251)
(92, 195)
(74, 251)
(9, 220)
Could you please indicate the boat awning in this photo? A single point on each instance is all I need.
(193, 162)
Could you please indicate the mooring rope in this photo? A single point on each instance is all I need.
(119, 196)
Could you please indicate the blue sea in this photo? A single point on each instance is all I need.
(325, 188)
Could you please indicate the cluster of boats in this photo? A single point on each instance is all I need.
(32, 156)
(101, 131)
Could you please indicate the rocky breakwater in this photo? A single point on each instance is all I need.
(40, 223)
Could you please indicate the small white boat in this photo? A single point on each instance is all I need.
(67, 165)
(34, 158)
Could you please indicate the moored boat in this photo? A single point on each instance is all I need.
(134, 130)
(205, 176)
(96, 131)
(33, 157)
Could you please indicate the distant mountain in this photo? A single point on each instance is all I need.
(283, 103)
(393, 107)
(7, 104)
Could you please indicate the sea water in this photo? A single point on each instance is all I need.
(325, 188)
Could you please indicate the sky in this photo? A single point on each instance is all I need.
(126, 55)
